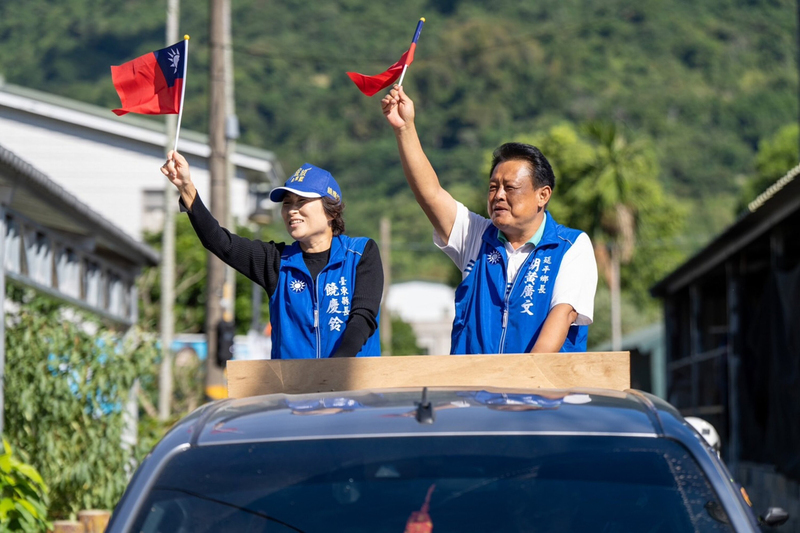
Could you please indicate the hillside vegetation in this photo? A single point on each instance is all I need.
(701, 84)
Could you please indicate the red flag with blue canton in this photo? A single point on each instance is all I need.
(152, 84)
(370, 85)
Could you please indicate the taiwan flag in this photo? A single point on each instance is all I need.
(370, 85)
(153, 83)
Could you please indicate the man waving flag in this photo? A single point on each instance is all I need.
(370, 85)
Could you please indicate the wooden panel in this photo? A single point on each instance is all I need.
(608, 370)
(67, 526)
(94, 520)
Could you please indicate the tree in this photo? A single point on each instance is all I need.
(608, 187)
(67, 383)
(705, 80)
(404, 341)
(611, 193)
(23, 495)
(190, 274)
(777, 155)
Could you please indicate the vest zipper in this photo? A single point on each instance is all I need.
(316, 316)
(508, 297)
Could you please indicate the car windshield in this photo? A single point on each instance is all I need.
(453, 483)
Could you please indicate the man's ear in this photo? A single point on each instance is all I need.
(543, 195)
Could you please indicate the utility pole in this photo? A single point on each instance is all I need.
(231, 134)
(168, 247)
(2, 318)
(217, 165)
(386, 259)
(616, 301)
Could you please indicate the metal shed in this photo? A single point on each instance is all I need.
(732, 323)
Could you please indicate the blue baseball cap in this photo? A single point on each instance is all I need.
(309, 181)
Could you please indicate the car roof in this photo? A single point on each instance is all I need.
(380, 413)
(394, 412)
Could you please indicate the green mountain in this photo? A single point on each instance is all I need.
(703, 81)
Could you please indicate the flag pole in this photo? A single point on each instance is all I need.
(403, 75)
(410, 56)
(183, 89)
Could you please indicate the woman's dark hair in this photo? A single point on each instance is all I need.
(333, 208)
(541, 171)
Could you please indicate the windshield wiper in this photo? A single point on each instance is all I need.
(234, 506)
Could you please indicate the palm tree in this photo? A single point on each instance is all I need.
(609, 197)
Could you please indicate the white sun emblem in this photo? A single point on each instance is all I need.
(297, 286)
(494, 257)
(174, 58)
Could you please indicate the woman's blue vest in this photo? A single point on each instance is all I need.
(493, 316)
(308, 316)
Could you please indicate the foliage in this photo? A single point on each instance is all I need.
(777, 155)
(582, 198)
(596, 169)
(635, 316)
(404, 341)
(705, 81)
(67, 384)
(190, 274)
(23, 495)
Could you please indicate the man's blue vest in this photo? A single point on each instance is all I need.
(308, 316)
(495, 317)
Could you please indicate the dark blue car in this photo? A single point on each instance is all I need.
(450, 460)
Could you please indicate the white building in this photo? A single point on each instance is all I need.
(112, 163)
(429, 308)
(54, 243)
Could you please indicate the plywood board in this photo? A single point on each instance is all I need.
(607, 370)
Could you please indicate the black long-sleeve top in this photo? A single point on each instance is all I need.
(261, 262)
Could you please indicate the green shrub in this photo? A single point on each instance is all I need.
(68, 379)
(23, 495)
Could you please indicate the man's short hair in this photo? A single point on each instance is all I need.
(541, 170)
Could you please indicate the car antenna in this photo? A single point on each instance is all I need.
(425, 414)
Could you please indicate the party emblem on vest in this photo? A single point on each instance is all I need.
(297, 286)
(494, 257)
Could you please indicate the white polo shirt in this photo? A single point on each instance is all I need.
(576, 281)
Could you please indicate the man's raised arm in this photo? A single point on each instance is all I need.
(437, 203)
